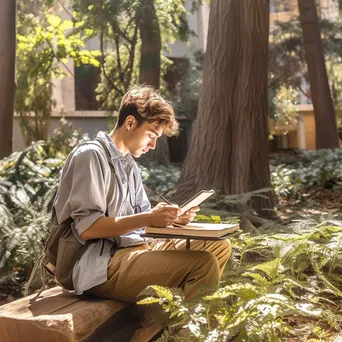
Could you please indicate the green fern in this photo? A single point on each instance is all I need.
(271, 279)
(27, 187)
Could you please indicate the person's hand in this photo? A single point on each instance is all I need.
(188, 216)
(163, 215)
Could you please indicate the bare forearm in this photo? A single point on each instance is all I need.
(107, 227)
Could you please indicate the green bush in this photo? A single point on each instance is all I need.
(274, 287)
(271, 282)
(306, 169)
(28, 182)
(160, 178)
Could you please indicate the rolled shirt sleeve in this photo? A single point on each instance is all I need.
(85, 177)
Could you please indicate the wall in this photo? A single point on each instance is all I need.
(90, 125)
(306, 128)
(178, 145)
(310, 130)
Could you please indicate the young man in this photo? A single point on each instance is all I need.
(108, 204)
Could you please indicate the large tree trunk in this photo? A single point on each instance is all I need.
(229, 149)
(7, 84)
(147, 21)
(326, 130)
(149, 69)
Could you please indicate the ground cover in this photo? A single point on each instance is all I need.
(283, 280)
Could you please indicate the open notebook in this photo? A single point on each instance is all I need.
(195, 229)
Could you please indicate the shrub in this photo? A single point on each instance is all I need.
(275, 287)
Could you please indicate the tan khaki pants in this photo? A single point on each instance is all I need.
(165, 263)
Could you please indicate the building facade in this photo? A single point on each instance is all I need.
(75, 99)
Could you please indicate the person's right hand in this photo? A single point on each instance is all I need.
(163, 215)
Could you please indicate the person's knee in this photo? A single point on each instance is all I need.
(211, 265)
(227, 247)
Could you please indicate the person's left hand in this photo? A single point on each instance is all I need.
(188, 216)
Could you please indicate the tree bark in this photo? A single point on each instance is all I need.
(7, 76)
(147, 22)
(149, 69)
(229, 149)
(325, 119)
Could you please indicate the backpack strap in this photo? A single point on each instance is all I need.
(105, 148)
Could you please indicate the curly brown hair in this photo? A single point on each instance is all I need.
(146, 104)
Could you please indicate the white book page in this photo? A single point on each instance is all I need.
(196, 200)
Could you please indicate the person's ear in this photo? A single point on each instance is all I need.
(129, 122)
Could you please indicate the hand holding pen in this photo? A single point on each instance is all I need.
(164, 214)
(184, 218)
(166, 200)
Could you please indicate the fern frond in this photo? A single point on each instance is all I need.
(270, 268)
(243, 291)
(257, 278)
(163, 292)
(148, 301)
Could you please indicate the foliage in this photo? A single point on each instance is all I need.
(115, 23)
(159, 178)
(275, 287)
(45, 42)
(28, 181)
(289, 174)
(215, 219)
(283, 111)
(208, 219)
(306, 169)
(287, 58)
(285, 285)
(64, 139)
(288, 70)
(186, 93)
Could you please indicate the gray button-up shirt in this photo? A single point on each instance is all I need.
(89, 188)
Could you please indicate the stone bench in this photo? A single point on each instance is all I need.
(58, 316)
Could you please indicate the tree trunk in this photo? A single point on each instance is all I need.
(7, 83)
(147, 22)
(325, 119)
(149, 69)
(229, 149)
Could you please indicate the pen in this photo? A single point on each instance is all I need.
(165, 200)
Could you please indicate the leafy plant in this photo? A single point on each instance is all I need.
(116, 23)
(64, 139)
(306, 169)
(283, 110)
(287, 58)
(28, 182)
(275, 287)
(159, 178)
(45, 43)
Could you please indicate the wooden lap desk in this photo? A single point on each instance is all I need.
(188, 238)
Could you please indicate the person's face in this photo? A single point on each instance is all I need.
(143, 138)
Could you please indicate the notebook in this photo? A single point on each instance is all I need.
(195, 229)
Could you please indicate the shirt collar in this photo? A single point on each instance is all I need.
(113, 150)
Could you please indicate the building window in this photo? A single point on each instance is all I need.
(87, 78)
(277, 6)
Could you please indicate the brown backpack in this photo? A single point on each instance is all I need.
(62, 249)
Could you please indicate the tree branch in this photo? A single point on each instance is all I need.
(304, 92)
(102, 52)
(67, 11)
(131, 58)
